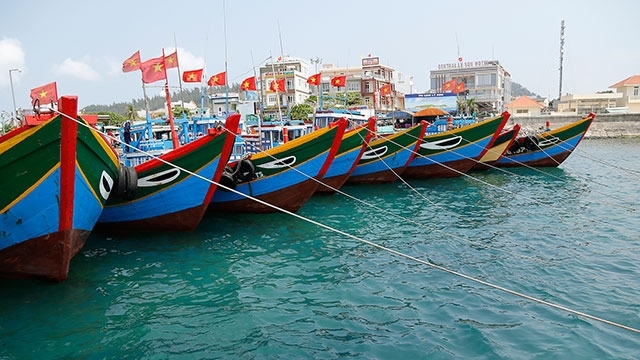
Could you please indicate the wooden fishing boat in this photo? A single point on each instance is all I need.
(353, 145)
(547, 149)
(500, 146)
(174, 188)
(285, 175)
(387, 157)
(58, 173)
(454, 152)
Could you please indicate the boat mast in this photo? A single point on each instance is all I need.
(174, 134)
(561, 56)
(259, 104)
(224, 13)
(175, 44)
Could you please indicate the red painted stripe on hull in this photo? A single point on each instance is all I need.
(68, 145)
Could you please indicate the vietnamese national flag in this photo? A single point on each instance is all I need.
(218, 79)
(171, 60)
(153, 70)
(460, 87)
(277, 85)
(449, 85)
(132, 63)
(248, 84)
(314, 79)
(44, 94)
(192, 75)
(385, 90)
(339, 81)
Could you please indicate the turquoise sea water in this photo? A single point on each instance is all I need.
(274, 286)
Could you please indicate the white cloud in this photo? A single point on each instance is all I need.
(12, 57)
(186, 59)
(78, 69)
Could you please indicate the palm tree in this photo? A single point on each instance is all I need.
(130, 113)
(472, 107)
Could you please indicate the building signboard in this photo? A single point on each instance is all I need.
(445, 101)
(371, 61)
(467, 64)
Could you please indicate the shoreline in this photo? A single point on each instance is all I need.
(603, 126)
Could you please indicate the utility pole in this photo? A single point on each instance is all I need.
(561, 56)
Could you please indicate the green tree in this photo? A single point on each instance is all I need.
(114, 119)
(130, 112)
(177, 111)
(301, 111)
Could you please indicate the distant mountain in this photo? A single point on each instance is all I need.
(519, 90)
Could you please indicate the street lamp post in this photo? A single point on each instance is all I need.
(15, 109)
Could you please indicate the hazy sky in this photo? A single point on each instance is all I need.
(81, 44)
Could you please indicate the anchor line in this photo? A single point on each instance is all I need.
(392, 251)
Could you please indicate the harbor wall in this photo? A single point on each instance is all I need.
(603, 126)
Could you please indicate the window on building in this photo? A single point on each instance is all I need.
(635, 90)
(353, 86)
(522, 111)
(367, 87)
(486, 80)
(325, 87)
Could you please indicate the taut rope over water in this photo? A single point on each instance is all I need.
(384, 248)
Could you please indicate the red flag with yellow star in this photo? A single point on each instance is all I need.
(153, 70)
(132, 63)
(314, 79)
(385, 90)
(192, 75)
(218, 79)
(277, 85)
(171, 60)
(449, 85)
(339, 81)
(44, 94)
(248, 84)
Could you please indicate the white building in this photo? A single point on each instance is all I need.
(587, 103)
(629, 90)
(486, 81)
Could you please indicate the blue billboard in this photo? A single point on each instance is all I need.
(445, 101)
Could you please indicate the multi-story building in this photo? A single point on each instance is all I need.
(295, 72)
(586, 103)
(366, 79)
(486, 81)
(629, 89)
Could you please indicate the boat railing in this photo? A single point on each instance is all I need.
(137, 158)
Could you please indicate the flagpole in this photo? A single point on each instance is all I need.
(273, 69)
(259, 103)
(175, 43)
(146, 100)
(174, 134)
(224, 13)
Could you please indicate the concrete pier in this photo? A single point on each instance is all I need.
(604, 125)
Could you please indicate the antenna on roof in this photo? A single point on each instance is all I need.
(458, 45)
